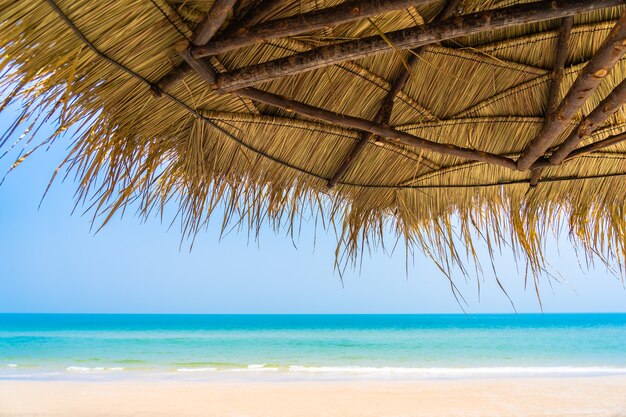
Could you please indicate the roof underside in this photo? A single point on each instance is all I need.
(284, 123)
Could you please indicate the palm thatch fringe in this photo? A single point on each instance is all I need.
(88, 67)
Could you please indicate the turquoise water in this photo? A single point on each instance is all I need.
(211, 346)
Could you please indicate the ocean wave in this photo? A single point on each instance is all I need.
(463, 372)
(85, 369)
(12, 365)
(196, 369)
(261, 367)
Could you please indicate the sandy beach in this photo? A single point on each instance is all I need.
(591, 396)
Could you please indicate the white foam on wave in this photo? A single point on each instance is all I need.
(196, 369)
(462, 372)
(12, 365)
(255, 368)
(84, 369)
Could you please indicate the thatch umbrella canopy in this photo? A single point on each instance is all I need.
(446, 121)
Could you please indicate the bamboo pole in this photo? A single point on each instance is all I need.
(405, 39)
(214, 18)
(608, 107)
(350, 122)
(386, 108)
(588, 80)
(302, 23)
(557, 79)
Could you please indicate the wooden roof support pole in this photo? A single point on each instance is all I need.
(608, 107)
(405, 39)
(559, 63)
(584, 150)
(535, 176)
(294, 25)
(588, 80)
(171, 78)
(302, 23)
(213, 20)
(386, 132)
(252, 17)
(350, 122)
(206, 29)
(382, 116)
(601, 144)
(557, 79)
(386, 108)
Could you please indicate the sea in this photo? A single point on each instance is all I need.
(310, 347)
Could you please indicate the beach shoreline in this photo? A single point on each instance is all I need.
(579, 396)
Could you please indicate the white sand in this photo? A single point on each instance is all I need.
(598, 396)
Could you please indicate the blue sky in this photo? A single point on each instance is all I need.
(50, 261)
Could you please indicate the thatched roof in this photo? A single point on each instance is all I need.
(445, 121)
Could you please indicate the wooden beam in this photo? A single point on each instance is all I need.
(303, 23)
(364, 138)
(378, 129)
(406, 39)
(559, 64)
(350, 122)
(386, 108)
(382, 117)
(213, 20)
(201, 68)
(535, 176)
(206, 29)
(584, 150)
(252, 17)
(588, 80)
(599, 145)
(168, 80)
(608, 107)
(557, 78)
(343, 13)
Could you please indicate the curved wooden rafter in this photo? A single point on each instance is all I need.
(369, 74)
